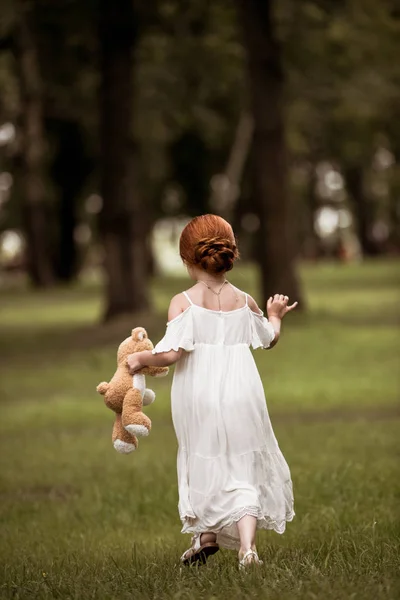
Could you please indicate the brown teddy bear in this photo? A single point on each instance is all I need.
(126, 394)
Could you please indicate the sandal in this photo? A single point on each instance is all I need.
(249, 558)
(198, 552)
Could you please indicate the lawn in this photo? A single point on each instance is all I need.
(80, 521)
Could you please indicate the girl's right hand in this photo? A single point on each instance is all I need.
(277, 306)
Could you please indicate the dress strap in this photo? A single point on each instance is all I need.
(246, 296)
(187, 297)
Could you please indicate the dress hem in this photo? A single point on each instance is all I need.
(231, 542)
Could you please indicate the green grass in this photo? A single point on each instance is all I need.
(80, 521)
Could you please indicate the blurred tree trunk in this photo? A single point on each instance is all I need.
(70, 168)
(34, 206)
(394, 207)
(312, 244)
(275, 239)
(122, 220)
(226, 196)
(354, 177)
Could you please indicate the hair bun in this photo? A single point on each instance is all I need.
(216, 254)
(208, 242)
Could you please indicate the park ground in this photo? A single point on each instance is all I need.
(80, 521)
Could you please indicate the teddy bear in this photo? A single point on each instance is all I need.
(126, 394)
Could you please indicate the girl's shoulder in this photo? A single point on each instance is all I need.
(253, 304)
(193, 295)
(249, 300)
(179, 303)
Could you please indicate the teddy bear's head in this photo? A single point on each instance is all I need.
(137, 342)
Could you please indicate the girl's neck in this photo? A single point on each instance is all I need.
(211, 279)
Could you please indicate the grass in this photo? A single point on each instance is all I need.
(80, 521)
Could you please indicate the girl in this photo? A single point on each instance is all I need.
(232, 476)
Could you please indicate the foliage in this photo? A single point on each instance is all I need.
(342, 105)
(343, 83)
(190, 91)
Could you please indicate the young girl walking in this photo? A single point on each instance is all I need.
(232, 476)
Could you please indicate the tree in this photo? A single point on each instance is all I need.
(122, 224)
(69, 169)
(189, 99)
(67, 55)
(62, 37)
(34, 205)
(266, 80)
(342, 87)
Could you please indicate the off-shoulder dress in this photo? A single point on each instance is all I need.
(229, 462)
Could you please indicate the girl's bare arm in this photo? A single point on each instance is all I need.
(162, 359)
(277, 308)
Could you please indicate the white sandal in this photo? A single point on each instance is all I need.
(198, 552)
(248, 559)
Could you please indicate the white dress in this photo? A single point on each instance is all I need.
(229, 462)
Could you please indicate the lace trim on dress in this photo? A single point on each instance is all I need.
(252, 511)
(263, 522)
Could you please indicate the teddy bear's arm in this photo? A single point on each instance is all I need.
(102, 388)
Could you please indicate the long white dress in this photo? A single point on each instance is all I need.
(229, 462)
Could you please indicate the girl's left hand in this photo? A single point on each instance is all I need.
(134, 363)
(278, 306)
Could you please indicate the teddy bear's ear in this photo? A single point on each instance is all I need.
(139, 334)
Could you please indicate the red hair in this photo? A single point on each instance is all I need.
(208, 242)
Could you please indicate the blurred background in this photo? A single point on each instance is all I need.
(120, 121)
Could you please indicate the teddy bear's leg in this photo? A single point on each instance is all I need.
(133, 419)
(123, 441)
(149, 397)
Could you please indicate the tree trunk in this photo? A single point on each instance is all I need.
(354, 177)
(69, 169)
(275, 240)
(394, 206)
(121, 218)
(34, 207)
(225, 197)
(311, 243)
(67, 255)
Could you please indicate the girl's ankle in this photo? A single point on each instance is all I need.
(242, 551)
(207, 537)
